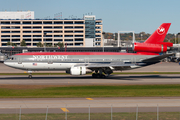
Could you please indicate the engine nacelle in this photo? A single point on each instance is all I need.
(78, 70)
(148, 47)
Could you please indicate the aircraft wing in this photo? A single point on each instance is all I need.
(122, 64)
(98, 65)
(157, 58)
(105, 65)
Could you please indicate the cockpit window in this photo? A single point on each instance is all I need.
(11, 58)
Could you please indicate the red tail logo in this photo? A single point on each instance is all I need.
(161, 30)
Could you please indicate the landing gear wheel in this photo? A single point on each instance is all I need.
(30, 76)
(98, 75)
(102, 76)
(94, 75)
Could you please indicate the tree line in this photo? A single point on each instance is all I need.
(138, 36)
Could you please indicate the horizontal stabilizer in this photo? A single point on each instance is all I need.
(168, 44)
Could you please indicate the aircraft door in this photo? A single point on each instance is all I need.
(133, 60)
(50, 61)
(19, 60)
(86, 60)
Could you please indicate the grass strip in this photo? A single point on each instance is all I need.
(29, 91)
(91, 73)
(95, 116)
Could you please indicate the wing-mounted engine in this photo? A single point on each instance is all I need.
(150, 47)
(80, 70)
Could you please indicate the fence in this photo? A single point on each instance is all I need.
(91, 113)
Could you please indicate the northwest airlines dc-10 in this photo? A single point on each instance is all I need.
(76, 63)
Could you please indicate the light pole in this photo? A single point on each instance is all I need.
(178, 41)
(118, 39)
(175, 38)
(114, 37)
(103, 40)
(45, 42)
(141, 36)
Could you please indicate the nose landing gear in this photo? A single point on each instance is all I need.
(30, 74)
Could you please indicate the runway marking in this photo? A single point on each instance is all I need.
(64, 109)
(89, 98)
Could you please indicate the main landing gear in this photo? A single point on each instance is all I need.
(30, 74)
(99, 73)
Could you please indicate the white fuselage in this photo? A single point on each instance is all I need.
(64, 61)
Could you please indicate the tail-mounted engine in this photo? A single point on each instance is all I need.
(153, 48)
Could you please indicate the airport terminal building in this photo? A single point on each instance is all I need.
(75, 32)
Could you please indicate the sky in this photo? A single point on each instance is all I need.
(117, 15)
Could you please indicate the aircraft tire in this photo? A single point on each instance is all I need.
(94, 75)
(98, 75)
(102, 76)
(30, 76)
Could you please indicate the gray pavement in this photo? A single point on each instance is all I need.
(88, 80)
(86, 110)
(84, 102)
(159, 67)
(81, 105)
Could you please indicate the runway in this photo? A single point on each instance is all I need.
(88, 80)
(82, 105)
(97, 105)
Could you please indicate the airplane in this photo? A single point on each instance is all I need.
(102, 64)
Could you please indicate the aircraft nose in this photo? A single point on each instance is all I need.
(6, 63)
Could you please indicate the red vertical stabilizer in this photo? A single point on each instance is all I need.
(159, 34)
(155, 44)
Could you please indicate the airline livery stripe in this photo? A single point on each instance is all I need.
(83, 53)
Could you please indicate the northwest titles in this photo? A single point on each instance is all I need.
(41, 57)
